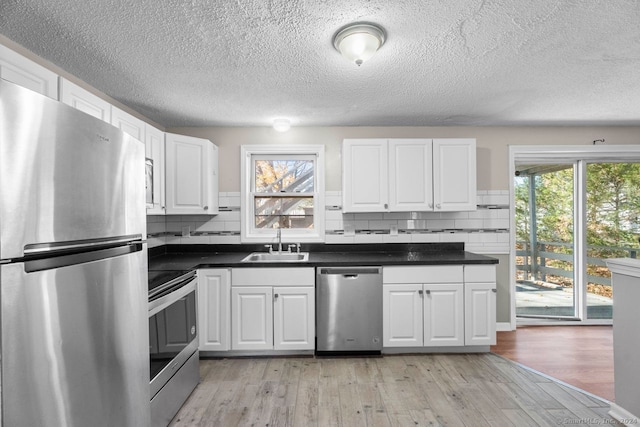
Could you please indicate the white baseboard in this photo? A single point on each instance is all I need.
(503, 326)
(623, 416)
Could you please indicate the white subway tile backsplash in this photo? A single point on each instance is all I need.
(418, 227)
(425, 238)
(440, 224)
(468, 223)
(225, 240)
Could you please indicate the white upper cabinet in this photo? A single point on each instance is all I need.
(191, 175)
(365, 183)
(154, 150)
(17, 69)
(410, 187)
(128, 123)
(406, 175)
(83, 100)
(454, 174)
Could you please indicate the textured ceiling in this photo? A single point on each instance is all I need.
(445, 62)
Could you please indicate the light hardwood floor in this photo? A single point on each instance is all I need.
(578, 355)
(408, 390)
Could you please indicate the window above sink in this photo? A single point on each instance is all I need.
(282, 188)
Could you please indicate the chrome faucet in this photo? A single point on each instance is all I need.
(279, 233)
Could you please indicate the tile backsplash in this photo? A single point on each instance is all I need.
(485, 230)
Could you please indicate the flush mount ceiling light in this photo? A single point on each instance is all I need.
(358, 42)
(281, 125)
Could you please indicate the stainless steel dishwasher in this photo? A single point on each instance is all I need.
(348, 310)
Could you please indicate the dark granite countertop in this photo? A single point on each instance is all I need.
(187, 257)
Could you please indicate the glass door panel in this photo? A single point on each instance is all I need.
(612, 228)
(545, 241)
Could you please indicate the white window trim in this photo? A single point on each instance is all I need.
(555, 154)
(250, 235)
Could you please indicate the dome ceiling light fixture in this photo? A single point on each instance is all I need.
(359, 41)
(281, 125)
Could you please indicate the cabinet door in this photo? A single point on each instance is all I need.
(454, 174)
(252, 318)
(154, 150)
(83, 100)
(17, 69)
(365, 183)
(410, 184)
(480, 313)
(443, 315)
(191, 175)
(128, 123)
(294, 318)
(214, 303)
(402, 315)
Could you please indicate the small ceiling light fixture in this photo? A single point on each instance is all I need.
(358, 42)
(281, 125)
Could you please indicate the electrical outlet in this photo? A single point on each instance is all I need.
(186, 231)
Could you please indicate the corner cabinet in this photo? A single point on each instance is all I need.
(273, 309)
(191, 175)
(214, 303)
(403, 175)
(19, 70)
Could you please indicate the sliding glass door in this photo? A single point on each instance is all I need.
(612, 228)
(572, 212)
(545, 241)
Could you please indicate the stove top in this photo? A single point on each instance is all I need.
(160, 277)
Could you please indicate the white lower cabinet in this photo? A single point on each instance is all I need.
(480, 314)
(439, 306)
(273, 309)
(252, 322)
(443, 315)
(480, 304)
(417, 315)
(294, 318)
(214, 303)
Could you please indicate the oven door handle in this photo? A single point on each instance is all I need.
(171, 286)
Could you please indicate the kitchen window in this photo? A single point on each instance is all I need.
(282, 188)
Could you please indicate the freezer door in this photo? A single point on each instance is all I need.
(75, 344)
(65, 176)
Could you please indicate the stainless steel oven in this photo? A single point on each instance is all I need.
(173, 342)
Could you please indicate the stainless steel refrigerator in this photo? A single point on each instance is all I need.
(73, 272)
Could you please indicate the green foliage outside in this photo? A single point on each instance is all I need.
(613, 213)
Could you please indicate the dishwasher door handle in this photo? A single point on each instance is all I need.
(349, 272)
(350, 276)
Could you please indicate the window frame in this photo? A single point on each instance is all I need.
(248, 232)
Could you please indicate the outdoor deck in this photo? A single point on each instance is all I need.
(556, 301)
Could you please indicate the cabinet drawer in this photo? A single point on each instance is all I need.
(423, 274)
(300, 276)
(479, 274)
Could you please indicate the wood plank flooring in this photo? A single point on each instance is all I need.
(407, 390)
(578, 355)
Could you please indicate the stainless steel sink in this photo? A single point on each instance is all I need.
(277, 257)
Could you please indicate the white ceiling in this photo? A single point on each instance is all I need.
(445, 62)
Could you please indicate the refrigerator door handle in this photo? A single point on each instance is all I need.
(49, 248)
(39, 264)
